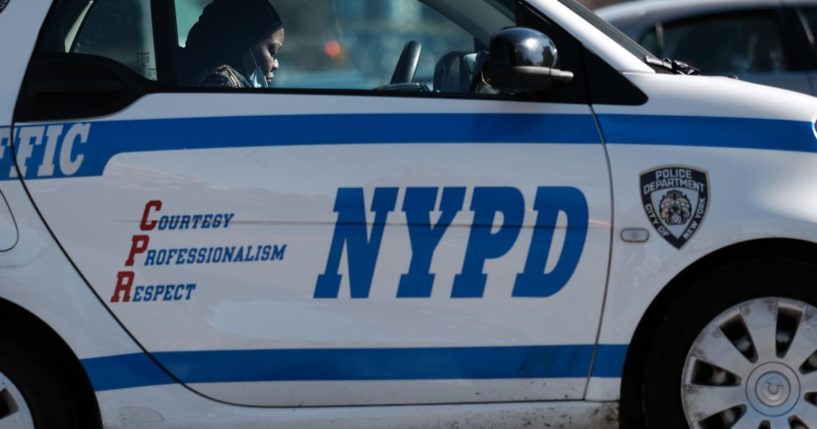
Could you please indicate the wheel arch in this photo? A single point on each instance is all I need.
(32, 330)
(630, 409)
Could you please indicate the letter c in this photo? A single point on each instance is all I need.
(147, 225)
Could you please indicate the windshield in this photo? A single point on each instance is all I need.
(608, 29)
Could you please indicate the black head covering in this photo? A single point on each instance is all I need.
(227, 28)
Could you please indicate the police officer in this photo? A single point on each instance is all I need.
(234, 44)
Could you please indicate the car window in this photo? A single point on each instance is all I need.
(650, 41)
(356, 44)
(727, 44)
(115, 29)
(810, 14)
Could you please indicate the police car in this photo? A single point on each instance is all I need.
(552, 229)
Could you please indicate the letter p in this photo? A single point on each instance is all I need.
(139, 244)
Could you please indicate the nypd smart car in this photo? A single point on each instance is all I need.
(394, 214)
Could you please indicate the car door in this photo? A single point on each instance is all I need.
(323, 242)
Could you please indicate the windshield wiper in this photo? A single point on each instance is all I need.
(674, 66)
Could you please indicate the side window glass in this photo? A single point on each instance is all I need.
(728, 44)
(120, 30)
(338, 44)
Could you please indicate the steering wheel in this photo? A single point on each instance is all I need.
(407, 64)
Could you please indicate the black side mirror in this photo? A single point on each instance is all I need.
(523, 60)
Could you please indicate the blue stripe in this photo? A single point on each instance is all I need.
(709, 132)
(609, 361)
(564, 361)
(109, 138)
(124, 371)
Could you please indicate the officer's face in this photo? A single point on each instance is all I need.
(265, 52)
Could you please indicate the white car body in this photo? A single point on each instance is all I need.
(264, 344)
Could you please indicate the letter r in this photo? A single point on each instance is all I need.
(124, 282)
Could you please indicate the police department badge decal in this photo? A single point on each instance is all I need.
(675, 199)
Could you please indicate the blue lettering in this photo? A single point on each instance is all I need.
(160, 289)
(533, 282)
(352, 232)
(278, 252)
(137, 293)
(148, 293)
(169, 289)
(482, 243)
(181, 257)
(149, 259)
(418, 205)
(161, 257)
(191, 256)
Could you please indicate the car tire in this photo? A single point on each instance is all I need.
(33, 391)
(728, 350)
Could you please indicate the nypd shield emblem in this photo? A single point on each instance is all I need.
(675, 199)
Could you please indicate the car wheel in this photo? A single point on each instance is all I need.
(33, 394)
(14, 411)
(737, 350)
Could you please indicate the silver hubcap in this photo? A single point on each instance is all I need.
(14, 412)
(754, 367)
(773, 389)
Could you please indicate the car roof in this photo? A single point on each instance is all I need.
(636, 16)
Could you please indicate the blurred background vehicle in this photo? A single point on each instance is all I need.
(771, 42)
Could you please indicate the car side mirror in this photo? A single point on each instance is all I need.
(524, 60)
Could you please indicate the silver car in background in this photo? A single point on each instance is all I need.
(771, 42)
